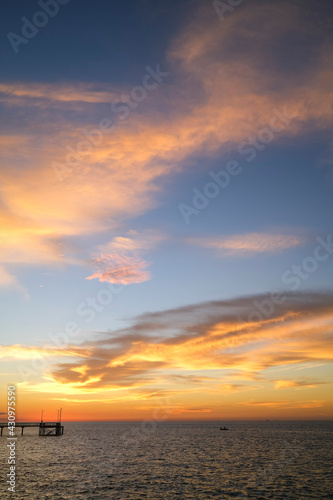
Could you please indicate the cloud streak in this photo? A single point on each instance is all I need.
(285, 384)
(203, 348)
(21, 352)
(38, 94)
(250, 244)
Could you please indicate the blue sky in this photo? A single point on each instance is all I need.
(202, 90)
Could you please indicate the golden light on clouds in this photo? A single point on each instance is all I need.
(118, 177)
(18, 351)
(212, 353)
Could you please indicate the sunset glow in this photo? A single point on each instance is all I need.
(166, 220)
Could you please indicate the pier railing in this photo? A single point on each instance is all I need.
(45, 428)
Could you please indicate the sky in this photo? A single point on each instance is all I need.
(166, 181)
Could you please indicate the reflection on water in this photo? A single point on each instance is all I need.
(123, 461)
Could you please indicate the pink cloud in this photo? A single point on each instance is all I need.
(124, 269)
(120, 261)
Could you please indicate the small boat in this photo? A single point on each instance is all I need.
(224, 429)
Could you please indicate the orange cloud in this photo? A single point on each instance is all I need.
(285, 404)
(221, 96)
(191, 410)
(205, 357)
(209, 349)
(116, 177)
(38, 93)
(19, 351)
(286, 384)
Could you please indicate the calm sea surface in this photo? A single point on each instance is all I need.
(131, 461)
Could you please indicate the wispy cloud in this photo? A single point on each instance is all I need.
(7, 279)
(249, 244)
(285, 404)
(285, 384)
(18, 351)
(205, 347)
(120, 175)
(38, 94)
(10, 281)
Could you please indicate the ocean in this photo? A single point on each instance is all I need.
(174, 460)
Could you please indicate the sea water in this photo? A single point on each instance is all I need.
(174, 460)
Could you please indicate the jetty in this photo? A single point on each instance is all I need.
(45, 428)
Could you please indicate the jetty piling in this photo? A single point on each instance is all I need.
(45, 428)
